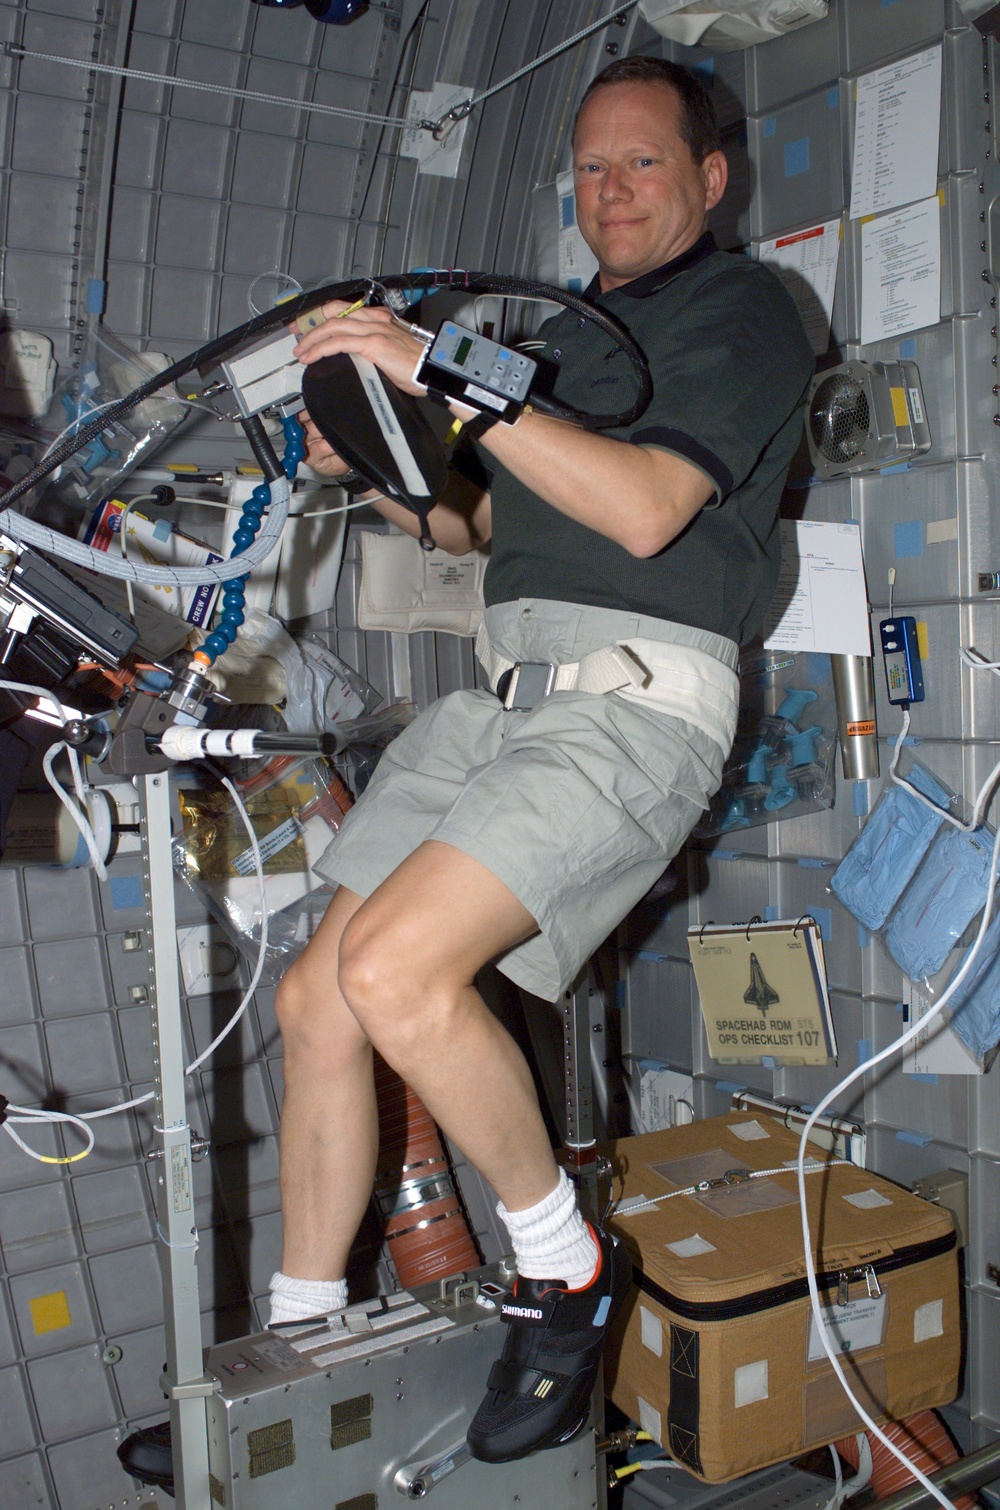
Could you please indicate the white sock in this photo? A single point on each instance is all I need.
(551, 1240)
(299, 1299)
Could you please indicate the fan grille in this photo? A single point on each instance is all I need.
(839, 418)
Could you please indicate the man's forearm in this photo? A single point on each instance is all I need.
(637, 496)
(459, 521)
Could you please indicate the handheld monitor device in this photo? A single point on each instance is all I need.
(460, 364)
(904, 678)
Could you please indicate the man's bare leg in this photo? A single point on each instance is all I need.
(408, 958)
(329, 1120)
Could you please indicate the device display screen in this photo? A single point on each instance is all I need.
(462, 351)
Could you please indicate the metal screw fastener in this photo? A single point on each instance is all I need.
(612, 48)
(112, 1354)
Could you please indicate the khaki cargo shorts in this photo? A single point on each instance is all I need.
(576, 805)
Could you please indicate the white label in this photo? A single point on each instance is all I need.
(278, 1354)
(651, 1331)
(472, 390)
(749, 1132)
(928, 1321)
(649, 1420)
(691, 1247)
(849, 1328)
(278, 839)
(916, 408)
(867, 1200)
(750, 1383)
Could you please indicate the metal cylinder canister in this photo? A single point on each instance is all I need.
(854, 690)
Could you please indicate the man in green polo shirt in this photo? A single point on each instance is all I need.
(633, 563)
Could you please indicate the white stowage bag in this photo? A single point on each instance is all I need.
(742, 23)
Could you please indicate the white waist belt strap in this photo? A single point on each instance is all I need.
(677, 679)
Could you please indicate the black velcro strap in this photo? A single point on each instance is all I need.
(514, 1379)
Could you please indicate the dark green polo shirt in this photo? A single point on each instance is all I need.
(730, 363)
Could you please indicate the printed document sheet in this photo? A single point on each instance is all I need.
(806, 262)
(897, 120)
(821, 602)
(901, 271)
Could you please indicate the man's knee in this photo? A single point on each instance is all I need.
(384, 978)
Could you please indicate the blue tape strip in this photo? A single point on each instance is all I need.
(908, 539)
(797, 157)
(864, 937)
(126, 891)
(771, 126)
(824, 918)
(729, 1087)
(705, 70)
(864, 1050)
(897, 466)
(621, 994)
(96, 293)
(770, 914)
(929, 1078)
(727, 854)
(651, 954)
(807, 864)
(903, 1009)
(769, 1062)
(861, 799)
(908, 349)
(833, 97)
(918, 1140)
(653, 1064)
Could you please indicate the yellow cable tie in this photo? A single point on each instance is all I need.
(71, 1159)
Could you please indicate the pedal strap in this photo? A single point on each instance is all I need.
(514, 1379)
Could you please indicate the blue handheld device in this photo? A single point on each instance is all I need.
(904, 678)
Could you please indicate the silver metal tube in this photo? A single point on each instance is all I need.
(854, 690)
(968, 1473)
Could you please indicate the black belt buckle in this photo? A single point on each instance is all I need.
(525, 685)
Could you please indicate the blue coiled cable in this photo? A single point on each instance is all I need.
(234, 592)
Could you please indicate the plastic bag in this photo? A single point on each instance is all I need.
(881, 861)
(107, 371)
(947, 892)
(975, 1006)
(740, 23)
(781, 763)
(295, 806)
(913, 881)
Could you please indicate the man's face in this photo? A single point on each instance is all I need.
(641, 198)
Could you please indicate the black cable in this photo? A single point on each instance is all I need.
(350, 290)
(260, 445)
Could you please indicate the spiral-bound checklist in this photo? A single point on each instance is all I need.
(763, 992)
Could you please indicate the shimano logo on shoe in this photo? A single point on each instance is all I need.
(524, 1313)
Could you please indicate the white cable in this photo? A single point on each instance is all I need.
(74, 424)
(106, 565)
(217, 503)
(78, 814)
(82, 1118)
(123, 543)
(33, 1114)
(869, 1064)
(262, 948)
(982, 796)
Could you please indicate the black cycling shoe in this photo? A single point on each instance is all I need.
(539, 1389)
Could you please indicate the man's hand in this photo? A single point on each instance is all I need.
(370, 332)
(320, 455)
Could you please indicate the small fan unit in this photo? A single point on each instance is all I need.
(863, 416)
